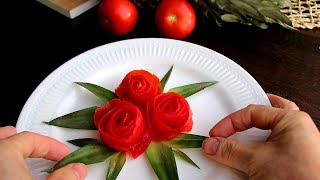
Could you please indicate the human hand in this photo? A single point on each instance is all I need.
(292, 151)
(15, 148)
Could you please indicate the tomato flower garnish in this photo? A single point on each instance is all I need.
(138, 87)
(121, 125)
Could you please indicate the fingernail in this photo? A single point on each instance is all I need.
(79, 170)
(210, 146)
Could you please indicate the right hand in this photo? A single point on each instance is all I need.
(292, 151)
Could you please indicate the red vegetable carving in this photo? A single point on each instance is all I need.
(138, 87)
(122, 126)
(142, 114)
(169, 114)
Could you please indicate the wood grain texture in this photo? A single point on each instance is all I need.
(284, 62)
(68, 4)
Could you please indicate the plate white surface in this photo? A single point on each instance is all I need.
(107, 65)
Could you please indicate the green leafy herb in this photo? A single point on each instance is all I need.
(248, 12)
(186, 141)
(104, 94)
(162, 161)
(82, 119)
(165, 78)
(115, 165)
(191, 89)
(83, 142)
(282, 3)
(89, 154)
(185, 157)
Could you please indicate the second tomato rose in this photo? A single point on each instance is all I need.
(169, 114)
(122, 126)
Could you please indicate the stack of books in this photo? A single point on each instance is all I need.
(70, 8)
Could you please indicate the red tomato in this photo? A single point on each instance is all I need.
(175, 18)
(118, 16)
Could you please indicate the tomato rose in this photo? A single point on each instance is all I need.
(122, 126)
(169, 114)
(138, 87)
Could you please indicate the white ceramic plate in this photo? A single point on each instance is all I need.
(107, 65)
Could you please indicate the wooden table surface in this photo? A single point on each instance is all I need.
(38, 40)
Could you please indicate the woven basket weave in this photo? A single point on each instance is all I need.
(304, 13)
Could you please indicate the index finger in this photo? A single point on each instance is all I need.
(259, 116)
(282, 103)
(34, 145)
(7, 131)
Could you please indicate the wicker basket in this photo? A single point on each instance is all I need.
(304, 13)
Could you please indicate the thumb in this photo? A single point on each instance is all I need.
(229, 152)
(76, 171)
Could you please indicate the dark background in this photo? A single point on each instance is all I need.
(36, 40)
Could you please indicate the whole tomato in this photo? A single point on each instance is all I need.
(175, 18)
(118, 16)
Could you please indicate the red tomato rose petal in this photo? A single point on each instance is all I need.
(114, 142)
(139, 83)
(100, 112)
(130, 134)
(168, 115)
(175, 122)
(121, 126)
(160, 131)
(188, 126)
(106, 127)
(174, 112)
(173, 109)
(134, 150)
(118, 127)
(138, 86)
(141, 146)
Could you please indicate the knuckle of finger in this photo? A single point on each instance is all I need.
(293, 105)
(10, 128)
(228, 149)
(303, 115)
(251, 106)
(26, 133)
(302, 118)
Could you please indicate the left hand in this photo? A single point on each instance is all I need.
(15, 148)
